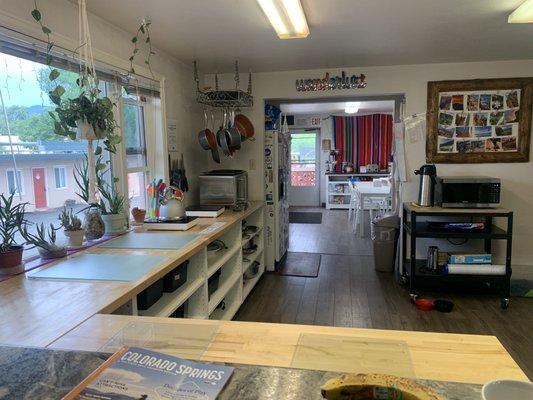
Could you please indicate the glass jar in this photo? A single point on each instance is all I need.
(93, 225)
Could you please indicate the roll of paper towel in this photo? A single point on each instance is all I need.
(475, 269)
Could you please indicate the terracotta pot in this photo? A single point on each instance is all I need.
(138, 215)
(75, 238)
(57, 252)
(12, 257)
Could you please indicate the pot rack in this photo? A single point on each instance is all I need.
(226, 99)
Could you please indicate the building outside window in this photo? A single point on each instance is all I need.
(13, 184)
(46, 161)
(60, 174)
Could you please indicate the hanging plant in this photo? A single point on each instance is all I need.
(88, 116)
(143, 31)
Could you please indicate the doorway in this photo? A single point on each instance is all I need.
(39, 187)
(304, 189)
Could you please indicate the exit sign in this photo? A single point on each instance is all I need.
(315, 121)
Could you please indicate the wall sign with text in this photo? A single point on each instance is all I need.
(331, 83)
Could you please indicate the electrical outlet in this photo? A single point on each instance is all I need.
(252, 164)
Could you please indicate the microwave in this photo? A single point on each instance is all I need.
(224, 187)
(467, 192)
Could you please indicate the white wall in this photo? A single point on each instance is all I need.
(61, 16)
(517, 180)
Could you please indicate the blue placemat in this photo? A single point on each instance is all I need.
(101, 267)
(151, 240)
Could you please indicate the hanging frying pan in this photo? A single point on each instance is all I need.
(235, 135)
(208, 140)
(245, 127)
(223, 137)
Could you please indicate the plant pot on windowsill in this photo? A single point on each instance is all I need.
(11, 258)
(75, 238)
(52, 252)
(84, 130)
(114, 223)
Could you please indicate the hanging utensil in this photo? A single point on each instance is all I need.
(208, 140)
(203, 134)
(223, 136)
(245, 127)
(234, 134)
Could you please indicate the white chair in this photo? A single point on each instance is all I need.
(355, 208)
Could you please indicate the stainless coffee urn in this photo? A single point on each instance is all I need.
(426, 190)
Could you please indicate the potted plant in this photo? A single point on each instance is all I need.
(72, 228)
(11, 218)
(45, 240)
(112, 205)
(93, 225)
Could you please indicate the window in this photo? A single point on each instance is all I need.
(303, 159)
(134, 112)
(45, 160)
(60, 174)
(15, 184)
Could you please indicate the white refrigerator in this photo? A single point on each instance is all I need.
(277, 178)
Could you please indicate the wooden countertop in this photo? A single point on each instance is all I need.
(35, 312)
(437, 356)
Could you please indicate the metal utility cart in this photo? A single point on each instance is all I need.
(413, 269)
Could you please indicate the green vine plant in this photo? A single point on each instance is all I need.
(88, 106)
(143, 31)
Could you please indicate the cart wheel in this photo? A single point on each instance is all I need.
(403, 280)
(504, 304)
(413, 297)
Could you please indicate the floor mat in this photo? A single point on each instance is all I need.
(300, 264)
(298, 217)
(521, 288)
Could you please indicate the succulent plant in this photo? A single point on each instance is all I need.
(69, 221)
(44, 238)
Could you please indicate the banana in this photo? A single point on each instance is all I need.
(375, 387)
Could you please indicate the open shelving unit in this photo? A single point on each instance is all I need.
(338, 191)
(232, 288)
(414, 228)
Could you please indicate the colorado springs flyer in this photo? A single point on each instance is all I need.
(140, 374)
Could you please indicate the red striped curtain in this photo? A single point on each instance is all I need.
(363, 140)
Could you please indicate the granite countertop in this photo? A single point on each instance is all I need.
(31, 373)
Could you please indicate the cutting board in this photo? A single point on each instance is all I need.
(100, 267)
(151, 240)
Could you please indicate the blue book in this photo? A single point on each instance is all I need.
(139, 374)
(470, 259)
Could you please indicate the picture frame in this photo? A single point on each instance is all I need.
(479, 120)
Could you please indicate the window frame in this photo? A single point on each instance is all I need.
(21, 179)
(64, 168)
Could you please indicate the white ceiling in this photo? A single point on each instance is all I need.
(343, 32)
(365, 107)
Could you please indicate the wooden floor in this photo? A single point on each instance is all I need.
(348, 292)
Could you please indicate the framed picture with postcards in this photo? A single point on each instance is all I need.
(479, 121)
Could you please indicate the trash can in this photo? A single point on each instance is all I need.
(385, 232)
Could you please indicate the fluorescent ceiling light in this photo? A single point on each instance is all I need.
(351, 108)
(287, 17)
(523, 14)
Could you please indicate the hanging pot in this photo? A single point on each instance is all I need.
(245, 127)
(234, 134)
(223, 137)
(84, 130)
(208, 141)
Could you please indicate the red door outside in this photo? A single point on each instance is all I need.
(39, 187)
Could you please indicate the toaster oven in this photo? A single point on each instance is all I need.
(467, 192)
(224, 187)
